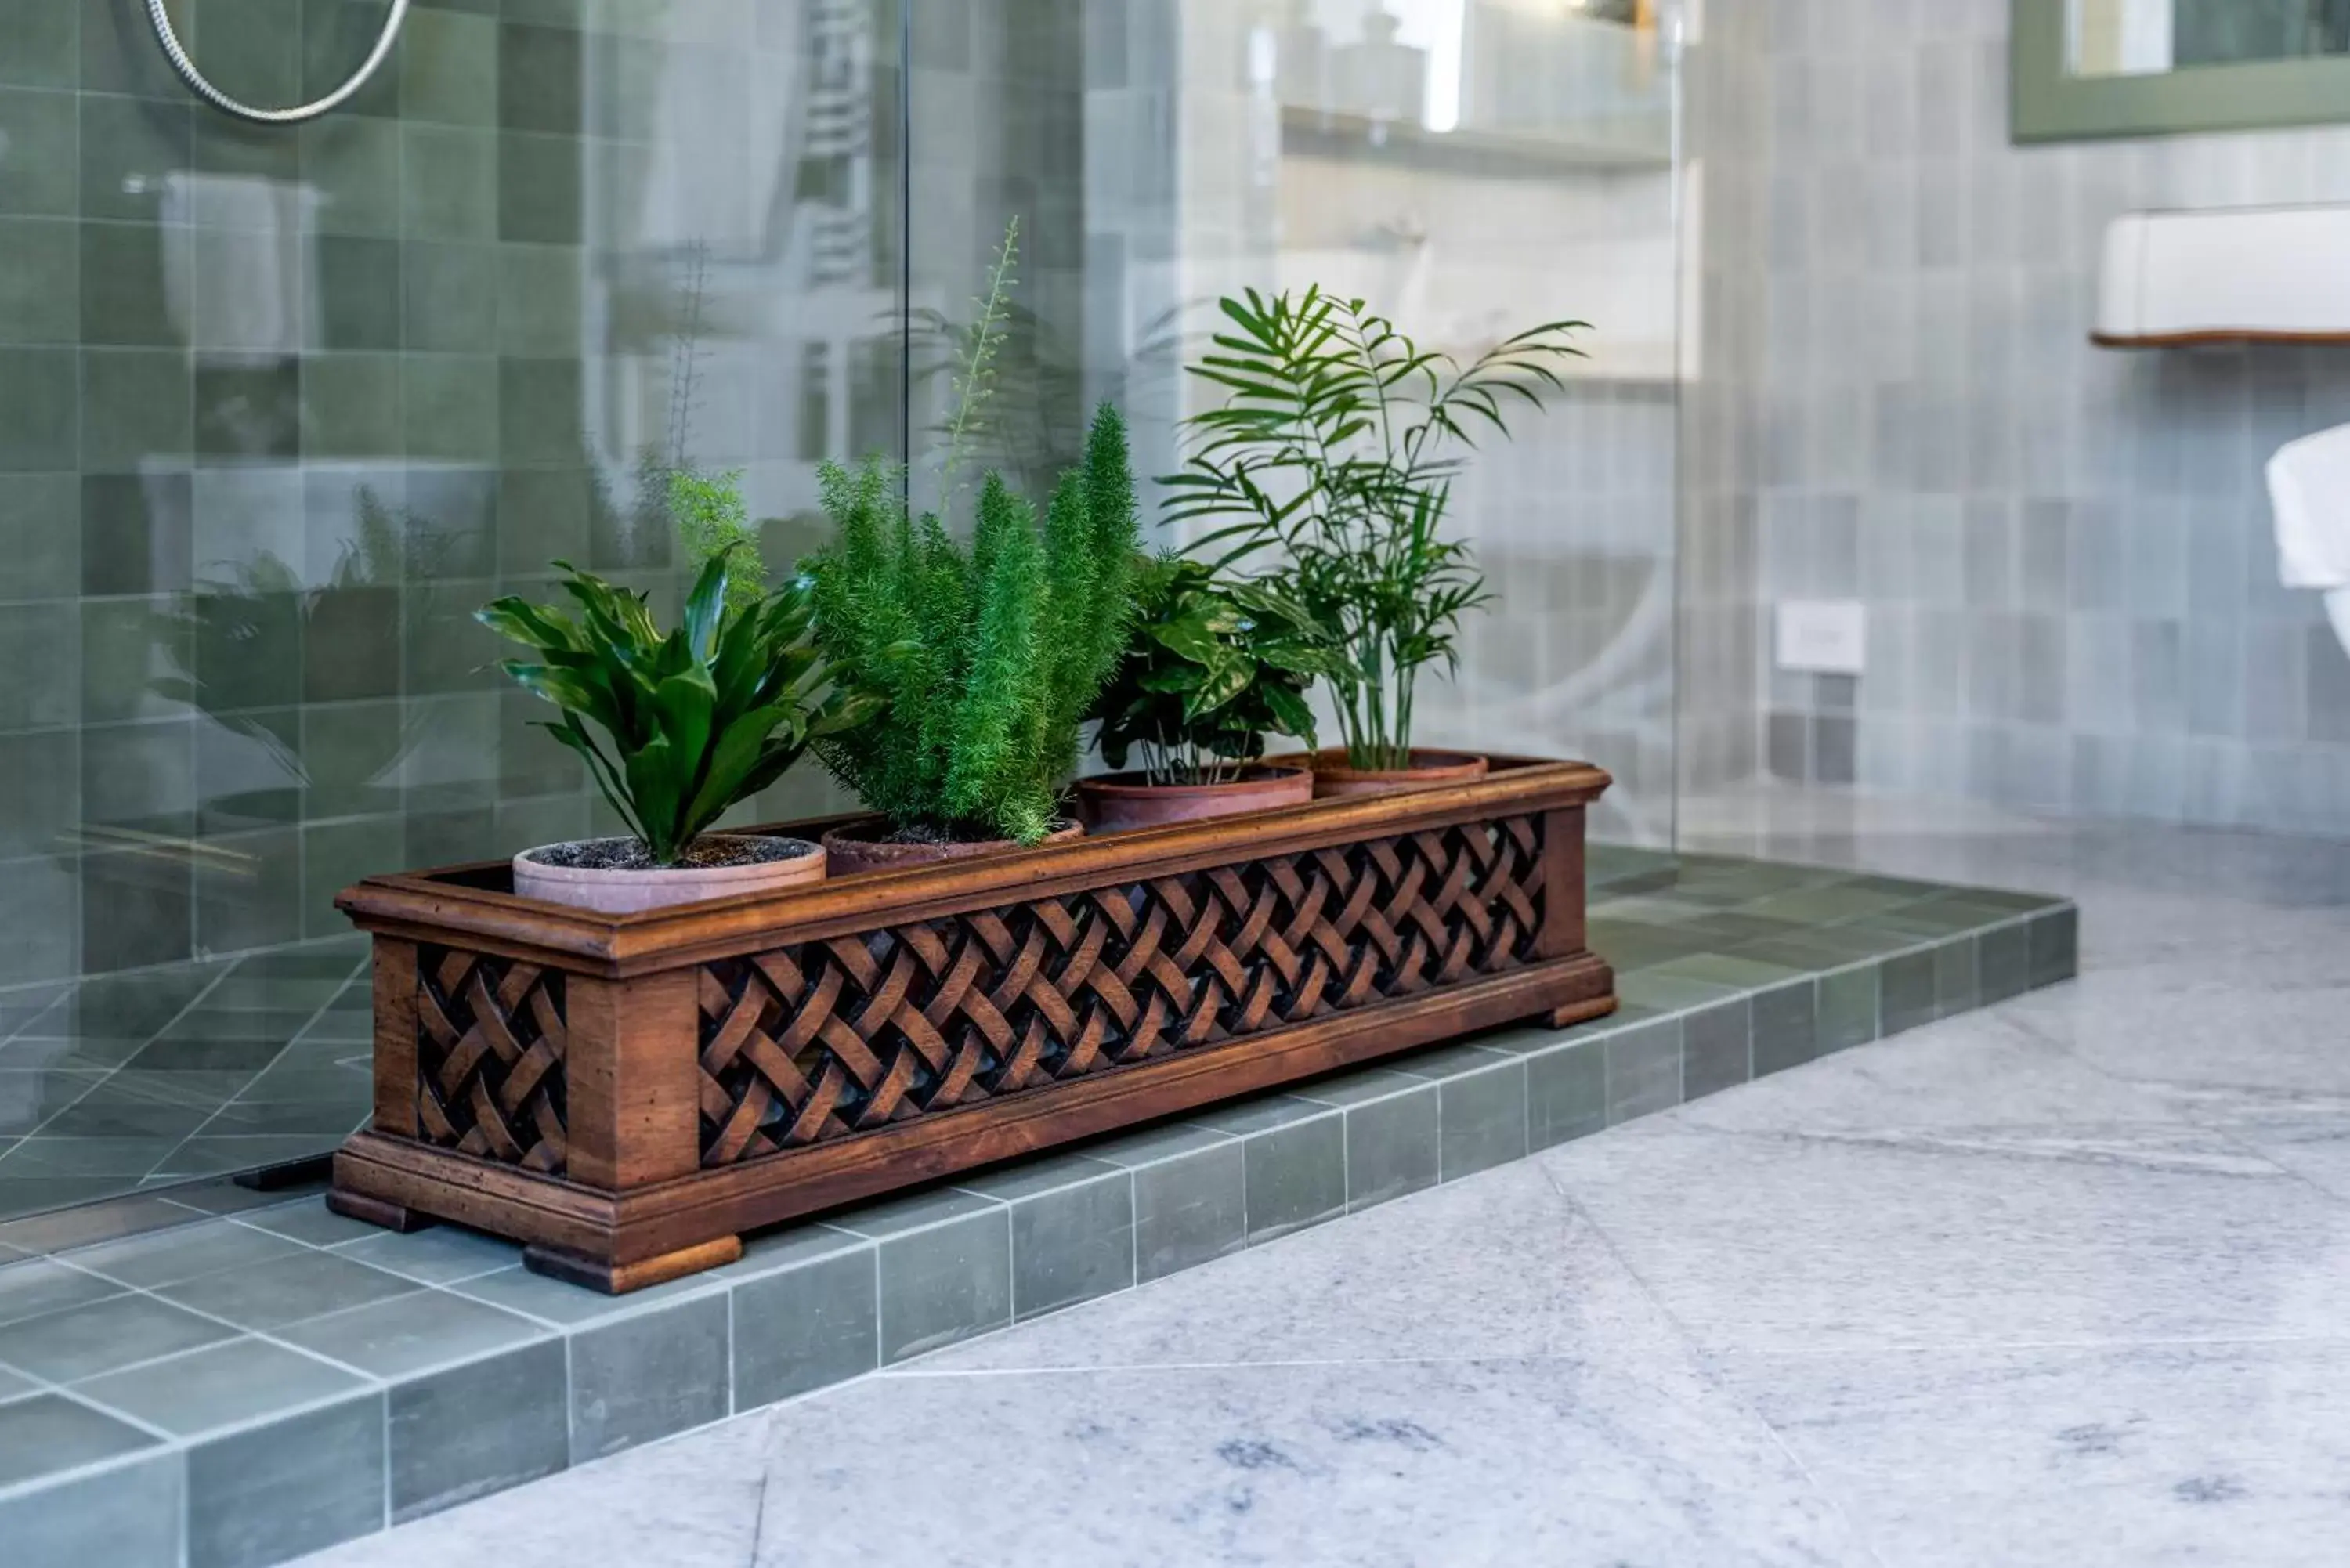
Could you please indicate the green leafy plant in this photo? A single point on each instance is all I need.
(696, 719)
(713, 522)
(1329, 467)
(1213, 667)
(989, 655)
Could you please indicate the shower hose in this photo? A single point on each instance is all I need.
(178, 56)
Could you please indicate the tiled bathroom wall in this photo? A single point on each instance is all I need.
(279, 408)
(2064, 551)
(1221, 155)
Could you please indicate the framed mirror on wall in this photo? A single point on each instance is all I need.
(2087, 69)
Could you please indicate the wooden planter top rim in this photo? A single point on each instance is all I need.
(464, 903)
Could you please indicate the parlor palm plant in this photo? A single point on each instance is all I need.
(1328, 467)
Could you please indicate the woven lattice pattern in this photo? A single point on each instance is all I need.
(822, 1039)
(490, 1043)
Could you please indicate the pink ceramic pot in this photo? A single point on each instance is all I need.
(851, 855)
(1333, 777)
(1114, 803)
(629, 892)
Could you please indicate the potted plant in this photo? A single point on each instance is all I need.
(697, 719)
(989, 657)
(1329, 468)
(1213, 667)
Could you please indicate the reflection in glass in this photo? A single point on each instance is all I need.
(2145, 37)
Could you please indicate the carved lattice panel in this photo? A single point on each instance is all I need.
(490, 1043)
(821, 1039)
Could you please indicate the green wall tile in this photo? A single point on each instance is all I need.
(39, 176)
(137, 533)
(358, 283)
(1847, 1007)
(448, 182)
(249, 516)
(355, 526)
(353, 163)
(452, 518)
(219, 145)
(449, 69)
(450, 407)
(538, 79)
(539, 411)
(541, 517)
(136, 911)
(40, 778)
(351, 752)
(336, 855)
(350, 405)
(445, 648)
(451, 293)
(245, 324)
(539, 301)
(39, 909)
(137, 407)
(245, 773)
(40, 541)
(538, 189)
(40, 647)
(119, 53)
(141, 777)
(248, 890)
(126, 645)
(350, 645)
(251, 49)
(40, 280)
(129, 150)
(247, 647)
(40, 43)
(336, 36)
(248, 410)
(40, 410)
(129, 277)
(530, 762)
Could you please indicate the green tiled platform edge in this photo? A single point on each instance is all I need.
(239, 1391)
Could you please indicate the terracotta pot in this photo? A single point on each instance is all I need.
(1333, 777)
(618, 892)
(1114, 803)
(851, 855)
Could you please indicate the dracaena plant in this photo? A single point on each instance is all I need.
(1328, 467)
(1214, 666)
(693, 720)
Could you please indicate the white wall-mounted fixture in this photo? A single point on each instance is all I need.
(1822, 637)
(2278, 275)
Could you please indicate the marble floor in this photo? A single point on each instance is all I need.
(2059, 1283)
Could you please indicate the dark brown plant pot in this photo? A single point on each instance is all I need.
(851, 856)
(1333, 778)
(1114, 803)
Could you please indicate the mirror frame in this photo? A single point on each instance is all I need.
(2049, 103)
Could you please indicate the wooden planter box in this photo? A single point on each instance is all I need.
(629, 1095)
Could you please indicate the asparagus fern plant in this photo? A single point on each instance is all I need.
(989, 657)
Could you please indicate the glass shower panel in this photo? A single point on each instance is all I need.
(1468, 167)
(279, 407)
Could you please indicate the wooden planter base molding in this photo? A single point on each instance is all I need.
(629, 1095)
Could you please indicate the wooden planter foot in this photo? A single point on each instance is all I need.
(377, 1211)
(619, 1278)
(1581, 1011)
